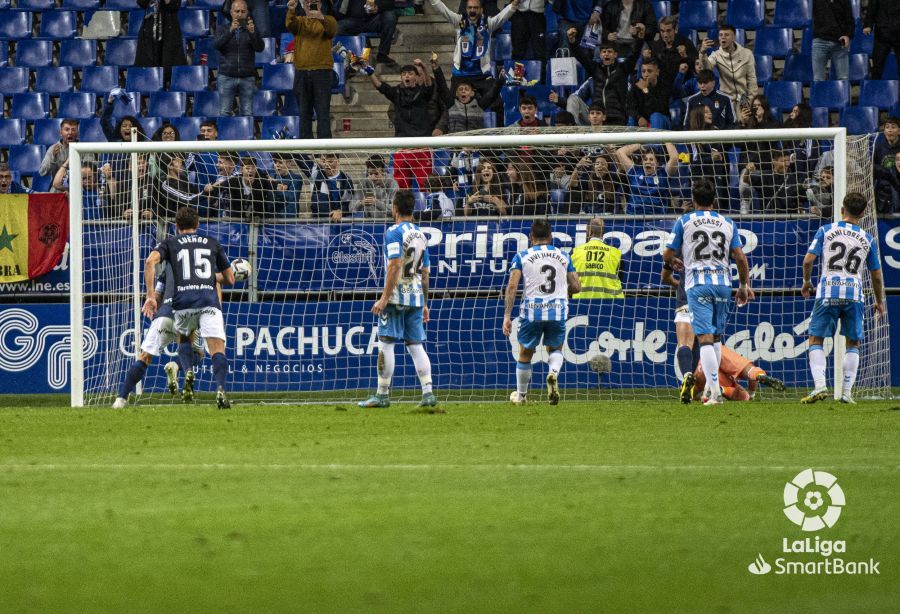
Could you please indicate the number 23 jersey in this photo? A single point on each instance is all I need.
(545, 270)
(843, 247)
(705, 239)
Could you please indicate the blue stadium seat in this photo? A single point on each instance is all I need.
(80, 5)
(764, 69)
(235, 128)
(120, 51)
(859, 67)
(862, 43)
(194, 22)
(748, 14)
(833, 95)
(784, 94)
(12, 132)
(663, 8)
(265, 103)
(289, 124)
(188, 127)
(15, 25)
(269, 52)
(58, 25)
(99, 79)
(881, 94)
(532, 68)
(798, 67)
(53, 79)
(356, 44)
(80, 105)
(699, 15)
(890, 68)
(557, 200)
(41, 183)
(820, 118)
(77, 52)
(278, 77)
(806, 41)
(860, 120)
(777, 42)
(149, 125)
(490, 119)
(206, 104)
(34, 53)
(167, 104)
(133, 107)
(793, 14)
(676, 112)
(90, 131)
(4, 54)
(120, 5)
(206, 46)
(895, 110)
(339, 82)
(13, 80)
(501, 48)
(26, 159)
(144, 80)
(207, 4)
(135, 21)
(289, 106)
(189, 78)
(30, 105)
(46, 131)
(36, 5)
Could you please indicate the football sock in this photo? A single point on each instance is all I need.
(423, 365)
(710, 369)
(718, 347)
(685, 358)
(385, 367)
(186, 356)
(556, 361)
(695, 355)
(754, 373)
(523, 376)
(220, 369)
(135, 374)
(851, 364)
(817, 365)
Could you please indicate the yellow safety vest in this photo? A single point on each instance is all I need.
(598, 270)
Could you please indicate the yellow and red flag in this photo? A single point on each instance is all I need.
(34, 229)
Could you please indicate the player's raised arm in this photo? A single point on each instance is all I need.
(512, 289)
(151, 304)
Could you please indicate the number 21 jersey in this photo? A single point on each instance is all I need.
(705, 239)
(843, 248)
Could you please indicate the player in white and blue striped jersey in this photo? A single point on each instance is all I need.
(708, 241)
(550, 279)
(402, 309)
(843, 247)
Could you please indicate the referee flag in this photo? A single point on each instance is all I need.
(34, 229)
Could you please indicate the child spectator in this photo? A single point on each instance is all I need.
(438, 192)
(332, 190)
(647, 102)
(887, 144)
(821, 195)
(528, 112)
(374, 195)
(289, 183)
(610, 80)
(467, 108)
(718, 103)
(487, 193)
(887, 187)
(649, 183)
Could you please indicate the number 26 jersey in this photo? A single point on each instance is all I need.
(705, 239)
(843, 248)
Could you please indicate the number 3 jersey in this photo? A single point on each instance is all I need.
(195, 260)
(545, 269)
(407, 242)
(705, 239)
(843, 248)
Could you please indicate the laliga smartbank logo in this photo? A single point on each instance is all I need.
(813, 501)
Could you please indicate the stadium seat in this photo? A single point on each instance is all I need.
(167, 104)
(699, 15)
(205, 46)
(30, 105)
(80, 5)
(339, 82)
(80, 105)
(820, 118)
(862, 43)
(269, 52)
(194, 22)
(784, 94)
(120, 51)
(748, 14)
(895, 110)
(188, 127)
(278, 77)
(206, 104)
(881, 94)
(149, 125)
(4, 54)
(99, 79)
(860, 120)
(763, 69)
(77, 52)
(806, 41)
(798, 67)
(15, 25)
(890, 68)
(265, 103)
(289, 125)
(189, 78)
(144, 80)
(34, 53)
(859, 67)
(13, 80)
(132, 107)
(356, 44)
(676, 112)
(53, 79)
(289, 105)
(793, 14)
(235, 128)
(90, 131)
(120, 5)
(833, 95)
(135, 21)
(46, 131)
(490, 119)
(35, 5)
(207, 4)
(12, 132)
(663, 8)
(532, 69)
(501, 48)
(776, 42)
(58, 25)
(26, 159)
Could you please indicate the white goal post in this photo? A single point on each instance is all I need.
(88, 287)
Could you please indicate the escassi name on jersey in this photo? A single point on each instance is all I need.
(706, 221)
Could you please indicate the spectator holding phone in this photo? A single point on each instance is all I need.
(237, 46)
(735, 64)
(313, 65)
(832, 30)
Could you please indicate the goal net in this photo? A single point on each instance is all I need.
(310, 218)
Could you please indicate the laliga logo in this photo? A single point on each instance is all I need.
(353, 257)
(28, 348)
(813, 500)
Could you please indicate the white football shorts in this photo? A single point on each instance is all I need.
(683, 314)
(208, 320)
(160, 334)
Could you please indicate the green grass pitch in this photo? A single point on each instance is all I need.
(585, 507)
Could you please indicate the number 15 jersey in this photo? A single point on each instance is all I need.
(705, 239)
(545, 270)
(195, 260)
(843, 247)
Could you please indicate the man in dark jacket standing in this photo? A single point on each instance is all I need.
(832, 31)
(672, 50)
(610, 77)
(160, 42)
(361, 16)
(883, 16)
(237, 46)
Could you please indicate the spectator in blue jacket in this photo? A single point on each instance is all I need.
(237, 46)
(649, 183)
(332, 189)
(718, 103)
(292, 183)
